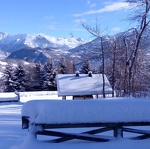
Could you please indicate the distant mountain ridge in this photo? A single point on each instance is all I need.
(41, 47)
(11, 43)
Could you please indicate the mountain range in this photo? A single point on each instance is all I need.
(37, 47)
(41, 47)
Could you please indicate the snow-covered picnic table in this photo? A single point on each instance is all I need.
(109, 113)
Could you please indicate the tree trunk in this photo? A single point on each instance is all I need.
(103, 68)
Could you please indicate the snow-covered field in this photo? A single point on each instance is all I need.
(13, 137)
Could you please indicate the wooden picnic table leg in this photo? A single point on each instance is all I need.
(118, 132)
(33, 131)
(95, 131)
(88, 137)
(145, 133)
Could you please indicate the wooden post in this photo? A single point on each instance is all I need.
(63, 97)
(118, 132)
(33, 131)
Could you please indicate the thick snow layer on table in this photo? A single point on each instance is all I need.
(89, 111)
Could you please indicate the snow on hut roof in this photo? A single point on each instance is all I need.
(70, 84)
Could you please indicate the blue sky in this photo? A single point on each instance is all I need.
(60, 18)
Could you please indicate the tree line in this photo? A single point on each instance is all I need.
(35, 76)
(42, 77)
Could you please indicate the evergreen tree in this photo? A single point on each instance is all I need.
(70, 67)
(35, 77)
(62, 67)
(37, 74)
(20, 78)
(48, 75)
(86, 67)
(8, 79)
(42, 78)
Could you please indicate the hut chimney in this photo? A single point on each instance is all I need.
(90, 73)
(77, 73)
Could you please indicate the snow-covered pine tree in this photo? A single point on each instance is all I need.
(70, 67)
(42, 78)
(86, 66)
(20, 79)
(8, 79)
(49, 75)
(62, 67)
(35, 77)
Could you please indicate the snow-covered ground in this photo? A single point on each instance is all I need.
(13, 137)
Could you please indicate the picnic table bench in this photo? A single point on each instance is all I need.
(45, 117)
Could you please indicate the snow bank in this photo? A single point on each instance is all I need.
(89, 111)
(47, 95)
(8, 97)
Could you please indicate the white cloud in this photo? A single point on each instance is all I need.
(93, 5)
(90, 4)
(116, 29)
(60, 28)
(108, 8)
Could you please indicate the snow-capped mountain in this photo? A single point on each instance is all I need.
(3, 54)
(11, 43)
(2, 35)
(36, 47)
(71, 42)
